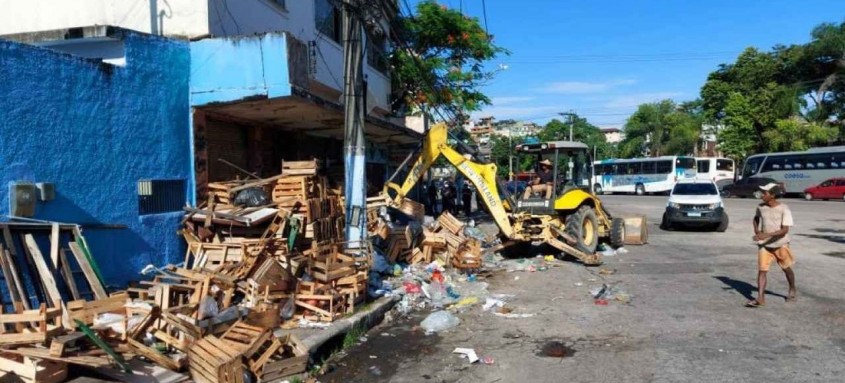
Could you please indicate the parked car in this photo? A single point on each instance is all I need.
(695, 203)
(833, 188)
(749, 187)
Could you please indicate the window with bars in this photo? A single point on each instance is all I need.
(160, 196)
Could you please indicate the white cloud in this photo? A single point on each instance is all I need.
(509, 100)
(582, 87)
(635, 99)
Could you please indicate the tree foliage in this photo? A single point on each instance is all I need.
(662, 128)
(789, 98)
(582, 131)
(441, 62)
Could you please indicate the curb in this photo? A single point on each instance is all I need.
(370, 317)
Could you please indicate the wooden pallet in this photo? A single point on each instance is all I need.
(212, 360)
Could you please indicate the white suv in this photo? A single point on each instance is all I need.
(695, 203)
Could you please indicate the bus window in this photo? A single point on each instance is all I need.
(703, 166)
(634, 168)
(725, 165)
(664, 167)
(648, 167)
(685, 163)
(773, 164)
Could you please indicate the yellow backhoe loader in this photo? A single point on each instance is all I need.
(571, 220)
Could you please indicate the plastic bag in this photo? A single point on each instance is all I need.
(439, 321)
(252, 197)
(288, 309)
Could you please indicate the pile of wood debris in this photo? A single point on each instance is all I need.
(250, 272)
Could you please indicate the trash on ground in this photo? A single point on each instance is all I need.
(556, 349)
(513, 315)
(467, 353)
(439, 321)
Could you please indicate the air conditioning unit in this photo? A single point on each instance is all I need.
(22, 197)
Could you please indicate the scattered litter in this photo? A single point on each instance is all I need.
(516, 278)
(491, 302)
(549, 258)
(373, 357)
(513, 316)
(467, 353)
(621, 250)
(385, 334)
(487, 360)
(578, 284)
(607, 271)
(439, 321)
(601, 302)
(374, 370)
(362, 339)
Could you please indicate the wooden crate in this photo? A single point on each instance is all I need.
(14, 368)
(211, 360)
(30, 326)
(246, 338)
(278, 358)
(297, 187)
(319, 303)
(332, 266)
(309, 167)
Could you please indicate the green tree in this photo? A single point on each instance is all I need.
(738, 138)
(663, 128)
(582, 131)
(440, 60)
(796, 134)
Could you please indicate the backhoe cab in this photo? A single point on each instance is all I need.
(573, 213)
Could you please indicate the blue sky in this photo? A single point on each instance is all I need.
(602, 58)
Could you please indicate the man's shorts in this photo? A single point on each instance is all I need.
(782, 254)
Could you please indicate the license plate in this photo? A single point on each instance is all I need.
(693, 214)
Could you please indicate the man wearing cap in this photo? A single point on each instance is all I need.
(771, 233)
(542, 183)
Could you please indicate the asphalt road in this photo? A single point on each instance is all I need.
(685, 321)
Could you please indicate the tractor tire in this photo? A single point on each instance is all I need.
(617, 232)
(723, 225)
(584, 228)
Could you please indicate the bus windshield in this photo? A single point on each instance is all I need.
(752, 166)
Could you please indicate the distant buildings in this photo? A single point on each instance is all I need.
(612, 135)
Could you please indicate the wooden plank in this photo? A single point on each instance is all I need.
(10, 243)
(96, 287)
(54, 245)
(67, 274)
(7, 275)
(43, 270)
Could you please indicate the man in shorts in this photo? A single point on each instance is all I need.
(771, 233)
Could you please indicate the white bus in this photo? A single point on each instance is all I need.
(641, 175)
(719, 170)
(797, 170)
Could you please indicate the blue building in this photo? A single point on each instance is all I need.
(102, 114)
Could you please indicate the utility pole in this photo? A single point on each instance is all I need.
(355, 177)
(570, 118)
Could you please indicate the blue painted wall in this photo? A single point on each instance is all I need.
(95, 130)
(233, 68)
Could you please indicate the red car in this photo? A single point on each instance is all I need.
(833, 188)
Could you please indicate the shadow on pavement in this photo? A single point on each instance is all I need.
(831, 238)
(746, 289)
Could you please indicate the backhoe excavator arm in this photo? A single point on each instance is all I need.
(482, 176)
